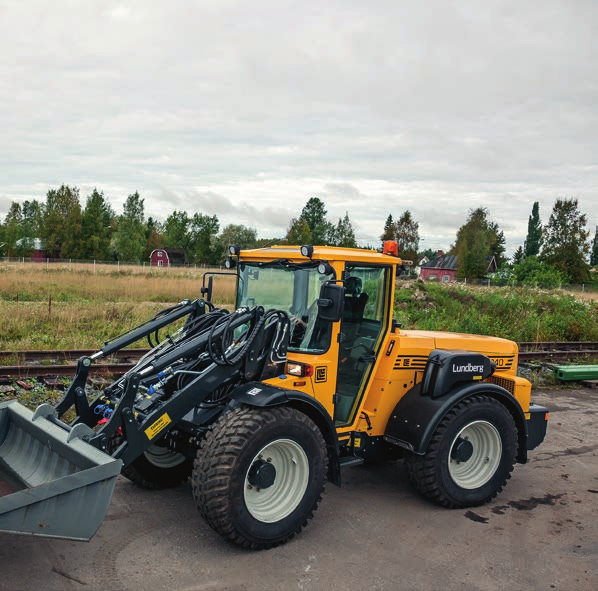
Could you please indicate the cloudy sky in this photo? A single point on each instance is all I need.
(246, 109)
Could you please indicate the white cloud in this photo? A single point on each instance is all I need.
(247, 110)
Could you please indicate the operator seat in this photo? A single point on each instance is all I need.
(355, 300)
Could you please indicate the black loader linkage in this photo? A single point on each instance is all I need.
(180, 387)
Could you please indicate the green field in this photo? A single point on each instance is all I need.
(68, 307)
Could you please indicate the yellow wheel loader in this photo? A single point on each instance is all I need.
(262, 406)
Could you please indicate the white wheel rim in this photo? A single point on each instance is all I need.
(485, 459)
(276, 502)
(162, 457)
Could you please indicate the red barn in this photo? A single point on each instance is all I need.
(167, 257)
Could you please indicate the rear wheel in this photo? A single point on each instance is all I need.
(470, 456)
(159, 467)
(259, 475)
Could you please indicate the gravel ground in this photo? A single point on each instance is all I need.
(374, 533)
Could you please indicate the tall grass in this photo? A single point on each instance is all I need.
(32, 282)
(62, 307)
(57, 307)
(518, 314)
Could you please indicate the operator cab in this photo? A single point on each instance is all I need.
(344, 349)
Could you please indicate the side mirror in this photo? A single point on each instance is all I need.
(331, 302)
(206, 292)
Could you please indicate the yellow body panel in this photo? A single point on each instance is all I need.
(401, 356)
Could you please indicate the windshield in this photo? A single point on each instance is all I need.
(294, 289)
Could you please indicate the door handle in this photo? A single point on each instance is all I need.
(367, 359)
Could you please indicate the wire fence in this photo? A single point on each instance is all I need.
(73, 264)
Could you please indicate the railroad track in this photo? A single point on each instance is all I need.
(26, 364)
(557, 350)
(29, 364)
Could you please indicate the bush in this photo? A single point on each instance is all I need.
(534, 273)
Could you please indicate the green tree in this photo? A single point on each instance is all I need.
(407, 236)
(96, 227)
(129, 239)
(429, 252)
(533, 241)
(566, 244)
(61, 216)
(389, 229)
(518, 256)
(497, 244)
(154, 237)
(74, 244)
(232, 234)
(530, 271)
(474, 245)
(343, 234)
(314, 213)
(11, 230)
(298, 232)
(594, 253)
(203, 228)
(177, 232)
(30, 225)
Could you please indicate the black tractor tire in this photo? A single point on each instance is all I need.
(470, 456)
(259, 475)
(159, 467)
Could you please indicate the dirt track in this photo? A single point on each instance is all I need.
(374, 533)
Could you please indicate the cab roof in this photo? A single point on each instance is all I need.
(320, 253)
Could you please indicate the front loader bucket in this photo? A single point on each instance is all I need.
(52, 483)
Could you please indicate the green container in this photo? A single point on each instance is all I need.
(572, 373)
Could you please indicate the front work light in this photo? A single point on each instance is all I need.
(299, 370)
(307, 250)
(234, 250)
(325, 269)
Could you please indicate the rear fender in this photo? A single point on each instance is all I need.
(416, 417)
(262, 395)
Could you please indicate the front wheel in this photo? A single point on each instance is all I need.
(470, 456)
(159, 467)
(259, 475)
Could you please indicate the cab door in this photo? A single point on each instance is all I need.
(363, 326)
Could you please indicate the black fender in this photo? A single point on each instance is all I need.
(263, 395)
(416, 417)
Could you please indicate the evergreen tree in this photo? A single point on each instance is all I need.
(474, 245)
(96, 227)
(298, 232)
(518, 256)
(314, 213)
(61, 217)
(594, 253)
(32, 223)
(389, 229)
(12, 230)
(407, 236)
(497, 244)
(129, 239)
(74, 245)
(566, 244)
(343, 234)
(533, 241)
